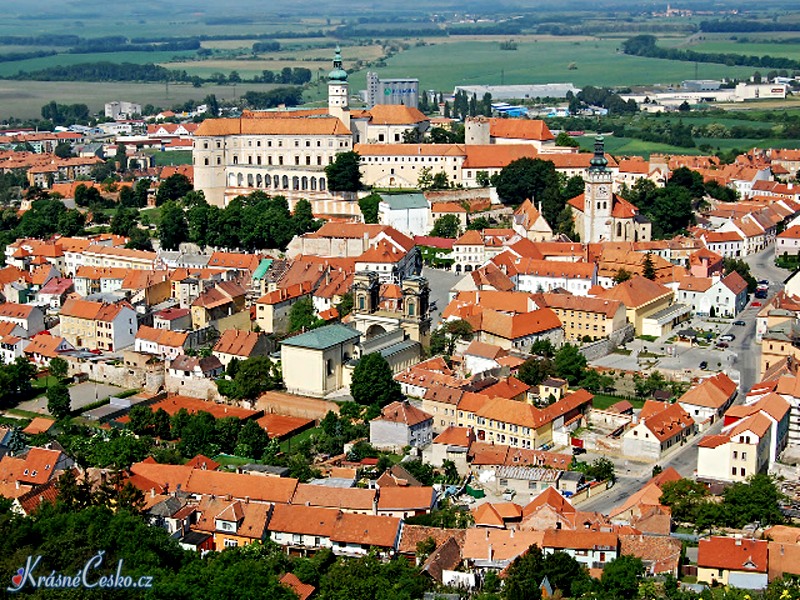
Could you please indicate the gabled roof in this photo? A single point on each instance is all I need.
(456, 436)
(403, 413)
(520, 129)
(302, 590)
(636, 292)
(732, 554)
(735, 283)
(237, 342)
(669, 422)
(713, 392)
(279, 126)
(395, 114)
(373, 530)
(620, 208)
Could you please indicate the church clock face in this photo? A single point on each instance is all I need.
(602, 191)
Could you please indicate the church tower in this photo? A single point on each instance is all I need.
(339, 90)
(597, 198)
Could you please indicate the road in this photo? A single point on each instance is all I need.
(746, 355)
(440, 282)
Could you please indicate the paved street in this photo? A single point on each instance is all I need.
(440, 282)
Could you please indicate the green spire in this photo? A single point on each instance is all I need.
(599, 161)
(338, 73)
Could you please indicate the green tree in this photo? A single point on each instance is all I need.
(601, 469)
(58, 401)
(302, 315)
(440, 181)
(569, 364)
(172, 229)
(621, 577)
(447, 226)
(478, 224)
(684, 497)
(58, 367)
(344, 173)
(141, 191)
(425, 179)
(140, 419)
(525, 575)
(369, 577)
(543, 347)
(70, 223)
(566, 140)
(535, 370)
(373, 381)
(124, 220)
(139, 239)
(532, 178)
(255, 376)
(173, 188)
(622, 275)
(252, 440)
(63, 150)
(648, 269)
(369, 207)
(757, 499)
(303, 219)
(345, 307)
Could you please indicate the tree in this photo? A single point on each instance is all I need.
(622, 275)
(63, 150)
(255, 376)
(344, 173)
(648, 269)
(532, 178)
(543, 347)
(621, 576)
(373, 381)
(174, 187)
(535, 370)
(141, 191)
(58, 367)
(524, 576)
(754, 500)
(345, 307)
(139, 239)
(602, 469)
(303, 218)
(569, 364)
(479, 224)
(566, 140)
(369, 207)
(447, 226)
(58, 401)
(252, 440)
(124, 220)
(172, 229)
(684, 498)
(425, 179)
(302, 316)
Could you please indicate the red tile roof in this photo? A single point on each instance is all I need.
(732, 554)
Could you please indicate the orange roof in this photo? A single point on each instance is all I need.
(251, 517)
(495, 515)
(279, 426)
(410, 150)
(500, 545)
(203, 462)
(329, 497)
(757, 424)
(520, 129)
(237, 342)
(580, 540)
(695, 284)
(512, 327)
(636, 292)
(44, 345)
(669, 422)
(39, 465)
(620, 208)
(496, 156)
(570, 302)
(713, 392)
(456, 436)
(301, 519)
(302, 590)
(734, 282)
(39, 425)
(417, 498)
(395, 114)
(372, 530)
(514, 412)
(163, 337)
(404, 413)
(278, 126)
(12, 310)
(510, 388)
(732, 554)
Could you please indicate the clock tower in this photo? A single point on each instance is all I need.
(339, 90)
(598, 200)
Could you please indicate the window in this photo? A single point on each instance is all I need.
(329, 366)
(742, 471)
(744, 455)
(504, 482)
(733, 471)
(735, 454)
(231, 543)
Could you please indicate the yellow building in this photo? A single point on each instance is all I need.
(641, 298)
(582, 316)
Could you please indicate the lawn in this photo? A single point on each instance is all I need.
(620, 146)
(229, 460)
(603, 401)
(286, 446)
(173, 157)
(43, 383)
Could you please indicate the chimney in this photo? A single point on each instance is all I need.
(152, 492)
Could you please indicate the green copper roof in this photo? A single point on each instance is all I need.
(262, 269)
(599, 160)
(338, 73)
(405, 201)
(323, 337)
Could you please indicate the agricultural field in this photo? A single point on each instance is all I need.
(625, 146)
(443, 65)
(24, 99)
(34, 64)
(784, 50)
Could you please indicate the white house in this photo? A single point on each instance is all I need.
(400, 425)
(788, 242)
(28, 317)
(408, 213)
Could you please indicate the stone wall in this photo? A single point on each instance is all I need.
(607, 345)
(205, 389)
(150, 379)
(295, 406)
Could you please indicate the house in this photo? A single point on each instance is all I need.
(519, 331)
(705, 263)
(659, 429)
(592, 549)
(401, 424)
(530, 224)
(451, 444)
(163, 343)
(98, 280)
(240, 345)
(641, 297)
(660, 554)
(273, 308)
(407, 213)
(233, 523)
(488, 549)
(54, 292)
(787, 243)
(728, 244)
(739, 452)
(474, 248)
(313, 362)
(98, 325)
(300, 528)
(221, 306)
(12, 347)
(480, 357)
(30, 318)
(186, 368)
(735, 561)
(707, 401)
(405, 501)
(44, 347)
(775, 408)
(173, 319)
(440, 401)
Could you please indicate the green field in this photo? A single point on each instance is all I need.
(173, 157)
(24, 99)
(623, 146)
(749, 48)
(34, 64)
(447, 63)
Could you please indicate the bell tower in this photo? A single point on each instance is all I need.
(598, 199)
(339, 90)
(416, 321)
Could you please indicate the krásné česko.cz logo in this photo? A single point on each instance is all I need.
(83, 578)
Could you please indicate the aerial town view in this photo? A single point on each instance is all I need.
(358, 300)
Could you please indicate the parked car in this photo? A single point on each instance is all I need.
(576, 451)
(722, 344)
(755, 304)
(739, 323)
(727, 337)
(704, 365)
